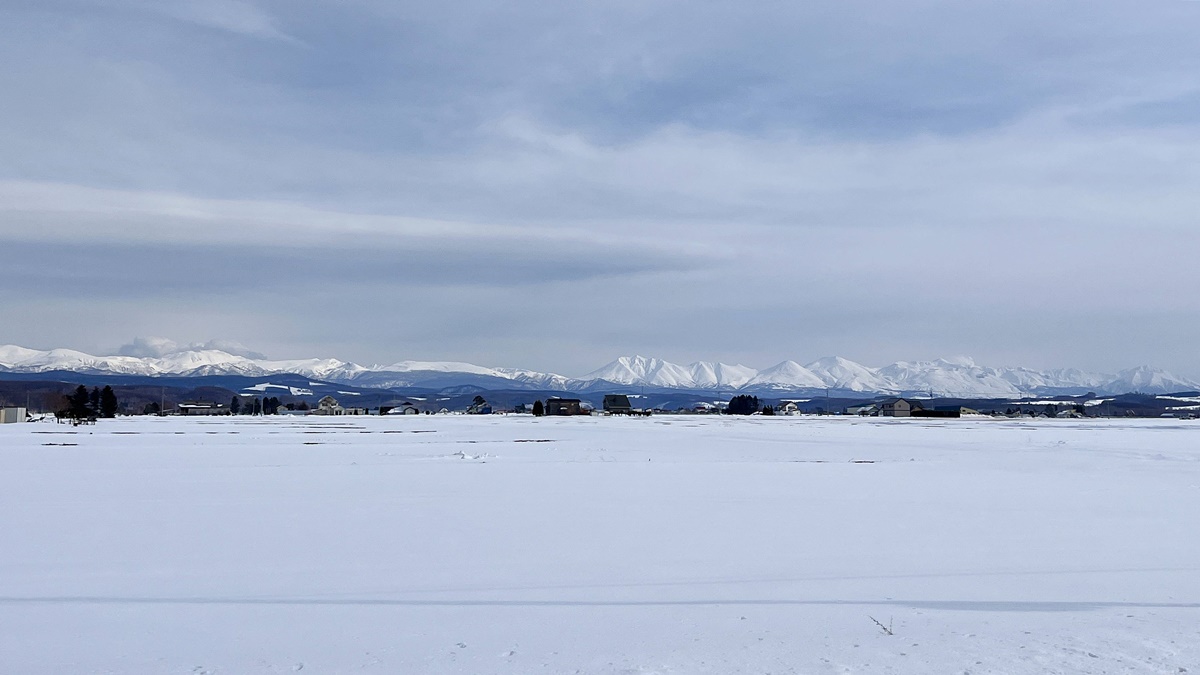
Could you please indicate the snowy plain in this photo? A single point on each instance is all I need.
(674, 544)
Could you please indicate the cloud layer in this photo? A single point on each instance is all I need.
(549, 186)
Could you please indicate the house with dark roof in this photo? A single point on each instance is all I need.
(617, 404)
(566, 406)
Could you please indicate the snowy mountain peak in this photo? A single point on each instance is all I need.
(709, 375)
(788, 375)
(839, 373)
(1151, 380)
(642, 370)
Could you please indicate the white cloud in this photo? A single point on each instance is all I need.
(149, 347)
(159, 347)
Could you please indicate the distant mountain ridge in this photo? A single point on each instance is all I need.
(955, 377)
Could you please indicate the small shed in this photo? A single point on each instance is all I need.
(12, 415)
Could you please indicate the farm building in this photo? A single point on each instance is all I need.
(565, 406)
(866, 409)
(201, 408)
(898, 407)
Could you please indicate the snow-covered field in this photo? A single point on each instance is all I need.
(599, 545)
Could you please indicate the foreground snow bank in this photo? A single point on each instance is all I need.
(600, 545)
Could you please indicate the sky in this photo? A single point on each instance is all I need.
(551, 185)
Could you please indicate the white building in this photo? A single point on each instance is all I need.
(328, 406)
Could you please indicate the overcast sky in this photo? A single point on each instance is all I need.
(550, 185)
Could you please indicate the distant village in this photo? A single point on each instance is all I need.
(614, 404)
(85, 407)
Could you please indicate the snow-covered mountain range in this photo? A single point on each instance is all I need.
(960, 376)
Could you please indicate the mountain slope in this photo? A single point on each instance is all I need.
(954, 377)
(786, 376)
(839, 373)
(644, 371)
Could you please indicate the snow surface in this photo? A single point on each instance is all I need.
(674, 544)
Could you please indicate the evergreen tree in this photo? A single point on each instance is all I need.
(538, 409)
(235, 406)
(94, 402)
(257, 406)
(78, 404)
(151, 408)
(108, 402)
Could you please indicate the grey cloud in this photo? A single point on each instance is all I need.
(495, 182)
(99, 270)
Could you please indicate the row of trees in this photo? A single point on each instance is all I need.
(265, 406)
(747, 405)
(84, 404)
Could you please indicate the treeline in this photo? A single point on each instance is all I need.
(744, 404)
(89, 405)
(258, 406)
